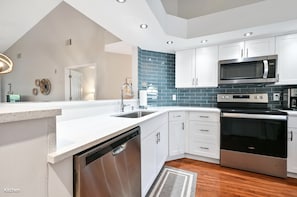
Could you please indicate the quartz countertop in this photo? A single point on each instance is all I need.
(12, 112)
(74, 136)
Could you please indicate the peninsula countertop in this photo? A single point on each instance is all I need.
(12, 112)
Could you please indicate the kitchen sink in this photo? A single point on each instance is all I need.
(135, 114)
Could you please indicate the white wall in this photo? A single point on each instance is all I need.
(43, 53)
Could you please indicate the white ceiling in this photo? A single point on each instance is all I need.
(193, 8)
(17, 17)
(267, 17)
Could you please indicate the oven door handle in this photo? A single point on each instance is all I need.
(254, 116)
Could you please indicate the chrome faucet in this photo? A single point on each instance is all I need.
(126, 90)
(122, 101)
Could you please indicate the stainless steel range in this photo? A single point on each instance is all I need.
(253, 137)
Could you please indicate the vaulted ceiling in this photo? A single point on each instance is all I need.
(186, 23)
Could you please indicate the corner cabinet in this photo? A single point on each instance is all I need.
(250, 48)
(197, 68)
(286, 47)
(177, 134)
(292, 144)
(154, 149)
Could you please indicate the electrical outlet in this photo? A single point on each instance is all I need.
(276, 96)
(174, 97)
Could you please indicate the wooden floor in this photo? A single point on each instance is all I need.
(214, 180)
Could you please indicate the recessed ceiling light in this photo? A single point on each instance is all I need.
(143, 26)
(204, 41)
(169, 42)
(248, 34)
(121, 1)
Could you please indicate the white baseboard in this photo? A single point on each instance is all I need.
(292, 175)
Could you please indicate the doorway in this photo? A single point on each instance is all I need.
(80, 82)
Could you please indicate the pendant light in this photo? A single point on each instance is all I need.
(5, 64)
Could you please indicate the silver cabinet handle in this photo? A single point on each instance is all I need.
(193, 81)
(247, 52)
(204, 130)
(291, 138)
(157, 138)
(203, 116)
(177, 116)
(183, 126)
(196, 81)
(241, 55)
(204, 148)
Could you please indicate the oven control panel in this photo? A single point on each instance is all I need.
(243, 98)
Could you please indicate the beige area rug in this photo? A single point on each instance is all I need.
(174, 182)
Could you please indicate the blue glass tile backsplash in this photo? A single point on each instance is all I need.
(158, 69)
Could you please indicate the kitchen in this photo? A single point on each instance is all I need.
(164, 79)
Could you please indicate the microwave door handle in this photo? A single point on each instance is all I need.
(265, 74)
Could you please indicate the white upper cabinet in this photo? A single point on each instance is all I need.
(231, 51)
(250, 48)
(260, 47)
(207, 66)
(286, 47)
(185, 68)
(197, 68)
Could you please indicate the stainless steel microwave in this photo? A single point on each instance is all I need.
(248, 70)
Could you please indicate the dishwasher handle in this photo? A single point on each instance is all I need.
(119, 149)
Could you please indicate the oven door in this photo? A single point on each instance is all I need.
(254, 133)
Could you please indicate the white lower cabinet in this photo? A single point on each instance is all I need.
(204, 134)
(154, 149)
(176, 133)
(292, 144)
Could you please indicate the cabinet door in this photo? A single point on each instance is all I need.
(148, 162)
(286, 47)
(292, 147)
(176, 138)
(185, 69)
(231, 51)
(207, 66)
(260, 47)
(162, 146)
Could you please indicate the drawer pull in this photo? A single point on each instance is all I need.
(183, 126)
(204, 148)
(177, 116)
(204, 117)
(204, 130)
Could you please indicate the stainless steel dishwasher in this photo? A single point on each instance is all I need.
(110, 169)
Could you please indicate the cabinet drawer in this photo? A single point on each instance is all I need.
(203, 129)
(204, 116)
(204, 149)
(173, 116)
(292, 121)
